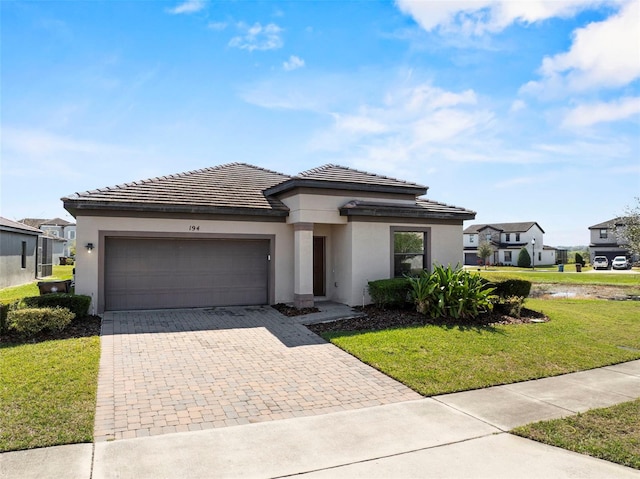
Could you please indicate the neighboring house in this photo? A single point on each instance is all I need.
(237, 234)
(506, 240)
(18, 253)
(604, 240)
(63, 232)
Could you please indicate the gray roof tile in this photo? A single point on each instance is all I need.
(234, 185)
(342, 174)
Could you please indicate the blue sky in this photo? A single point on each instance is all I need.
(519, 110)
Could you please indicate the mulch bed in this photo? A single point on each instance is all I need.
(79, 328)
(377, 319)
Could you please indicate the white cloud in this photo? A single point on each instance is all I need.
(38, 143)
(518, 105)
(603, 54)
(189, 6)
(601, 112)
(476, 17)
(218, 26)
(257, 37)
(293, 63)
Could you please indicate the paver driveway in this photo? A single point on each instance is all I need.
(186, 370)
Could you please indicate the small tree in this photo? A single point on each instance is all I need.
(485, 251)
(627, 228)
(524, 259)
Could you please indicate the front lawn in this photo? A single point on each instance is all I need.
(535, 276)
(581, 334)
(48, 392)
(612, 433)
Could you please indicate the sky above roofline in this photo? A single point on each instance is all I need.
(516, 110)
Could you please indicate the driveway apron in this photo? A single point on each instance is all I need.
(187, 370)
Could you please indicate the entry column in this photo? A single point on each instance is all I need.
(303, 265)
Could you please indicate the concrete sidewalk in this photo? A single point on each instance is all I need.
(454, 435)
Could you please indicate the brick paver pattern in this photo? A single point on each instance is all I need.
(186, 370)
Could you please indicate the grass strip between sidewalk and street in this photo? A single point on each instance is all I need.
(611, 433)
(48, 392)
(433, 359)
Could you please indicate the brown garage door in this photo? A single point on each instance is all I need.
(160, 273)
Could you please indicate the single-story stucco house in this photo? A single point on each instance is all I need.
(237, 234)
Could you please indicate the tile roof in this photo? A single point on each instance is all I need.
(422, 208)
(233, 185)
(342, 174)
(619, 221)
(504, 227)
(38, 222)
(240, 188)
(16, 225)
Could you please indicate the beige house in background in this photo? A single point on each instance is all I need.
(237, 234)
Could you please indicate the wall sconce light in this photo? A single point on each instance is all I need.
(89, 247)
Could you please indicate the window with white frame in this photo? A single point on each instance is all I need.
(471, 238)
(507, 237)
(507, 257)
(517, 236)
(603, 233)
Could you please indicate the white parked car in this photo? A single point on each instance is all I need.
(620, 262)
(600, 262)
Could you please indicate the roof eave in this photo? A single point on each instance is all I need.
(84, 207)
(341, 185)
(405, 213)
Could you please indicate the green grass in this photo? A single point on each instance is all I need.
(612, 433)
(609, 279)
(31, 289)
(582, 334)
(48, 393)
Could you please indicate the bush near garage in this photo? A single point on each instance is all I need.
(76, 303)
(30, 321)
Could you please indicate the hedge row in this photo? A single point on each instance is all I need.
(394, 293)
(49, 317)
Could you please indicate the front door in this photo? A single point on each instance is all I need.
(319, 266)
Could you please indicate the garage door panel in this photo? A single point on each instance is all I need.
(146, 273)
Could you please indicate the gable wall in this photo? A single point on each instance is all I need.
(324, 207)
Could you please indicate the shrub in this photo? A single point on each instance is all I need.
(388, 293)
(76, 303)
(580, 260)
(524, 259)
(448, 292)
(513, 287)
(30, 321)
(510, 305)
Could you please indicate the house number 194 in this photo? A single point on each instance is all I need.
(194, 228)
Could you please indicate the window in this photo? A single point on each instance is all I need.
(471, 238)
(71, 235)
(409, 252)
(539, 256)
(507, 256)
(24, 255)
(517, 236)
(507, 237)
(603, 233)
